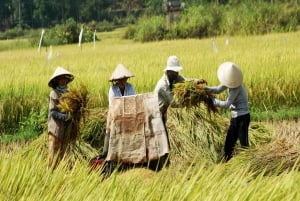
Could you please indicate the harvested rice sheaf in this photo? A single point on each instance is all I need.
(74, 102)
(271, 158)
(78, 151)
(189, 94)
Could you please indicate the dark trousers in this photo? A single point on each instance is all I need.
(238, 129)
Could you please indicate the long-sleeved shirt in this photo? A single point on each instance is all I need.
(237, 100)
(114, 91)
(165, 96)
(56, 126)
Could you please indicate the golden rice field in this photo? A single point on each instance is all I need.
(268, 170)
(270, 64)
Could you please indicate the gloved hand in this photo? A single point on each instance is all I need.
(61, 116)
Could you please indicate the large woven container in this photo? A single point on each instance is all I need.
(137, 133)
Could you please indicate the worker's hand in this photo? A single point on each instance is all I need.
(207, 89)
(61, 116)
(201, 81)
(209, 100)
(69, 116)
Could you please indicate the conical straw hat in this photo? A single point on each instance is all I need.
(58, 72)
(120, 72)
(230, 75)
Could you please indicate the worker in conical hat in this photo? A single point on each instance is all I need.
(58, 122)
(231, 78)
(120, 86)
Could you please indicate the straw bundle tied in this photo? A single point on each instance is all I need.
(74, 102)
(189, 94)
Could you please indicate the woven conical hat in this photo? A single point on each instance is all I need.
(120, 72)
(58, 72)
(230, 75)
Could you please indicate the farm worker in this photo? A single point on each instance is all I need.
(58, 123)
(165, 85)
(231, 78)
(120, 87)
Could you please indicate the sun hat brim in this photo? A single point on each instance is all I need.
(230, 75)
(120, 72)
(173, 68)
(60, 71)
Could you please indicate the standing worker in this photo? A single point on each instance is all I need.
(120, 87)
(165, 85)
(231, 78)
(58, 122)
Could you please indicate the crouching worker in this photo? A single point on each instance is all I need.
(58, 123)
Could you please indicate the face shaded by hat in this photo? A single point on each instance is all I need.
(173, 64)
(60, 71)
(120, 72)
(230, 75)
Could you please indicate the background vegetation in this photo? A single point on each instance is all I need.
(146, 20)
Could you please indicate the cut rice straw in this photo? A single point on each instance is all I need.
(190, 94)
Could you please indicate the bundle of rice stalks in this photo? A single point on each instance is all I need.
(259, 133)
(193, 134)
(74, 102)
(189, 94)
(271, 158)
(93, 131)
(76, 152)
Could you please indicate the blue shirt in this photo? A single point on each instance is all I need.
(114, 91)
(237, 100)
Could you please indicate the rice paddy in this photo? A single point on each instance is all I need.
(268, 170)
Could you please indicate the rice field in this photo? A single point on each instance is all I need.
(268, 170)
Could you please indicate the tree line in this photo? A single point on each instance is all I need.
(47, 13)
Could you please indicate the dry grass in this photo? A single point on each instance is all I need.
(279, 155)
(74, 102)
(189, 94)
